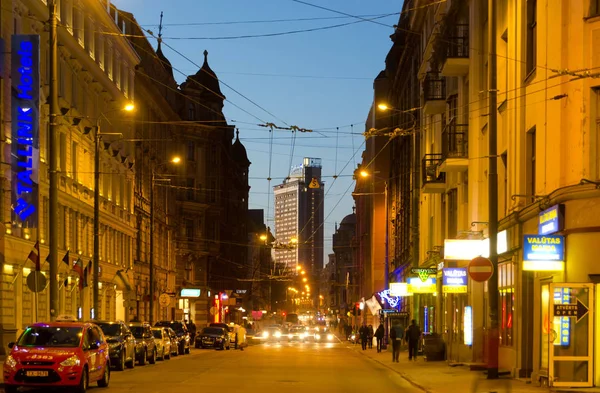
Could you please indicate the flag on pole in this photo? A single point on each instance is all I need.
(373, 305)
(85, 276)
(78, 267)
(34, 256)
(66, 259)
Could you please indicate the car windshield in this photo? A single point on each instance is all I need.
(157, 333)
(212, 330)
(137, 331)
(176, 326)
(110, 329)
(51, 336)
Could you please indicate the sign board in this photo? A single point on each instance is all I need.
(577, 311)
(36, 281)
(25, 146)
(190, 292)
(398, 289)
(467, 249)
(454, 280)
(415, 285)
(551, 220)
(563, 325)
(164, 300)
(314, 183)
(480, 269)
(424, 273)
(390, 313)
(543, 248)
(241, 291)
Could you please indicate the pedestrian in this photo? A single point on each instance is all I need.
(413, 334)
(379, 333)
(395, 345)
(364, 335)
(370, 336)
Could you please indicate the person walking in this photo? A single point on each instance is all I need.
(379, 333)
(370, 337)
(364, 335)
(413, 334)
(395, 338)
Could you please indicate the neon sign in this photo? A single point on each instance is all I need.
(25, 127)
(468, 325)
(389, 298)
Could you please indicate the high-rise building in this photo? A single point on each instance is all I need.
(299, 207)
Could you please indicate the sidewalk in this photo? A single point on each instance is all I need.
(438, 377)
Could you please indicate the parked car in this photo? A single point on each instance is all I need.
(213, 337)
(228, 328)
(163, 342)
(183, 335)
(121, 343)
(58, 354)
(174, 341)
(145, 348)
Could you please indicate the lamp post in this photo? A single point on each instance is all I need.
(174, 160)
(96, 260)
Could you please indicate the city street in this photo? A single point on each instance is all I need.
(264, 368)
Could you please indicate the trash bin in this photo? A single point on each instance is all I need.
(434, 348)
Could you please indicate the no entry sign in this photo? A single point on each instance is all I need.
(480, 269)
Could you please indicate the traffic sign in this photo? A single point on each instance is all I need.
(578, 310)
(164, 299)
(36, 281)
(480, 269)
(314, 183)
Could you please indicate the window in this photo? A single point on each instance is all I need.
(531, 36)
(100, 49)
(74, 88)
(108, 60)
(189, 229)
(190, 189)
(63, 153)
(66, 14)
(452, 213)
(530, 175)
(594, 8)
(89, 37)
(191, 151)
(506, 287)
(74, 162)
(78, 25)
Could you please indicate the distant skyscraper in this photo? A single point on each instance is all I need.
(299, 214)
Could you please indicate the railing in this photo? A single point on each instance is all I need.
(434, 87)
(430, 164)
(458, 41)
(455, 140)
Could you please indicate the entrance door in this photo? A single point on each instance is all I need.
(571, 337)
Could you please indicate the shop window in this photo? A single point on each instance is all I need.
(506, 287)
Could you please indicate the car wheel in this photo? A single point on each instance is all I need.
(10, 388)
(175, 352)
(131, 364)
(187, 350)
(153, 358)
(182, 349)
(144, 358)
(106, 377)
(84, 382)
(162, 355)
(121, 365)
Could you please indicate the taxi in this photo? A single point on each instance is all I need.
(56, 354)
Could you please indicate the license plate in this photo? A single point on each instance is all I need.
(36, 373)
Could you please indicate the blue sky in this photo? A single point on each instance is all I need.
(320, 80)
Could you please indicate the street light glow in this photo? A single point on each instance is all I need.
(383, 107)
(176, 160)
(364, 173)
(304, 279)
(129, 107)
(298, 267)
(263, 237)
(294, 240)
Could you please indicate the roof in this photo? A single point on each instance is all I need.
(206, 79)
(239, 151)
(350, 219)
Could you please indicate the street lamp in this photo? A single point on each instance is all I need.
(96, 260)
(174, 160)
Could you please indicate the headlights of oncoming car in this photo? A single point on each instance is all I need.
(330, 337)
(277, 334)
(72, 361)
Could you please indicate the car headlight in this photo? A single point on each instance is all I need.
(265, 334)
(11, 362)
(318, 336)
(277, 334)
(72, 361)
(330, 337)
(290, 335)
(302, 335)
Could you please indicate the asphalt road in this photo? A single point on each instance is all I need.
(263, 368)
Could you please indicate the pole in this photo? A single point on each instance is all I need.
(96, 259)
(493, 340)
(151, 273)
(387, 232)
(52, 149)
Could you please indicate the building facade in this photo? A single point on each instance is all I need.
(344, 278)
(95, 79)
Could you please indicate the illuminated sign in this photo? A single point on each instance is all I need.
(467, 249)
(25, 143)
(454, 280)
(190, 292)
(562, 325)
(551, 220)
(415, 285)
(398, 289)
(543, 253)
(389, 298)
(424, 273)
(468, 326)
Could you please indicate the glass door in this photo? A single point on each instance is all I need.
(571, 338)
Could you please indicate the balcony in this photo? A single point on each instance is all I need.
(455, 147)
(434, 91)
(434, 181)
(456, 62)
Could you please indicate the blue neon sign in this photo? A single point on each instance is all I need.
(563, 296)
(543, 248)
(25, 73)
(551, 220)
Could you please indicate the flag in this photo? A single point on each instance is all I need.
(66, 259)
(66, 282)
(78, 267)
(34, 256)
(373, 305)
(85, 277)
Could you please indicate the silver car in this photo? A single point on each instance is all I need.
(162, 340)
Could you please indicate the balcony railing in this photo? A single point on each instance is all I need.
(455, 140)
(430, 165)
(458, 41)
(434, 87)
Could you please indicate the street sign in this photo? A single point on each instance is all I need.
(164, 300)
(36, 281)
(314, 183)
(480, 269)
(577, 311)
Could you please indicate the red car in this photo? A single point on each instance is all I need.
(56, 354)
